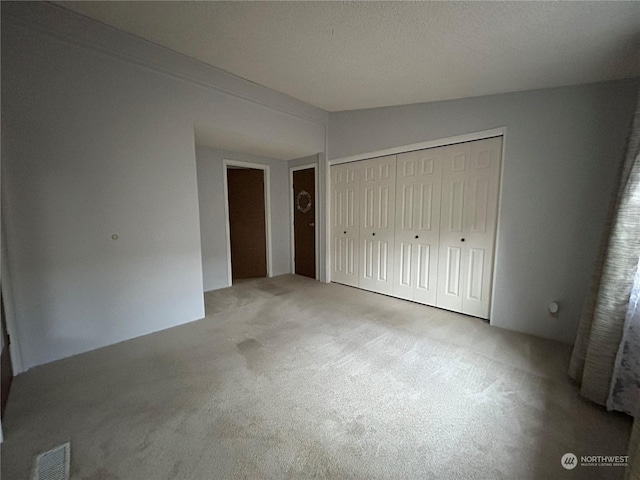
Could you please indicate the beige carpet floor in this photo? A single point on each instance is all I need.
(289, 378)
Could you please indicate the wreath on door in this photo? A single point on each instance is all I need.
(303, 201)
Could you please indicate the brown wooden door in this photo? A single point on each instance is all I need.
(5, 363)
(304, 222)
(247, 223)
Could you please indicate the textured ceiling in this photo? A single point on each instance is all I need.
(350, 55)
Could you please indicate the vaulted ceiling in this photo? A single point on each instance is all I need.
(351, 55)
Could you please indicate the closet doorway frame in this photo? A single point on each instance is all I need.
(226, 163)
(440, 142)
(292, 211)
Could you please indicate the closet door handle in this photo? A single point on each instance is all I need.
(345, 232)
(374, 234)
(417, 236)
(462, 239)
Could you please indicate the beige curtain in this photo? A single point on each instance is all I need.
(602, 322)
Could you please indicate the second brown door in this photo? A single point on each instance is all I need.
(247, 223)
(304, 222)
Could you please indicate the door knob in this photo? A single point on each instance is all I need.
(373, 234)
(462, 239)
(312, 224)
(344, 232)
(417, 236)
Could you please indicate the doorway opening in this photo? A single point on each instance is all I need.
(304, 240)
(247, 210)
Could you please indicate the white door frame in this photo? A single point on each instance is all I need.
(440, 142)
(267, 210)
(292, 211)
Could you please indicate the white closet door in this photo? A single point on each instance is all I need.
(454, 174)
(480, 225)
(470, 179)
(377, 213)
(345, 225)
(417, 234)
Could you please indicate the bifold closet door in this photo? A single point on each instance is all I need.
(470, 179)
(345, 224)
(377, 225)
(417, 234)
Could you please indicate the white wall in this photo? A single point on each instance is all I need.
(212, 216)
(96, 142)
(563, 147)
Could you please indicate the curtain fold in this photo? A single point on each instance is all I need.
(603, 319)
(624, 395)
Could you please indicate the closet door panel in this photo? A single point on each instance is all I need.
(417, 224)
(452, 221)
(427, 220)
(345, 225)
(405, 262)
(480, 226)
(377, 223)
(470, 182)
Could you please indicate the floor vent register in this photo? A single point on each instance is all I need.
(54, 464)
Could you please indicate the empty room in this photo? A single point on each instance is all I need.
(341, 240)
